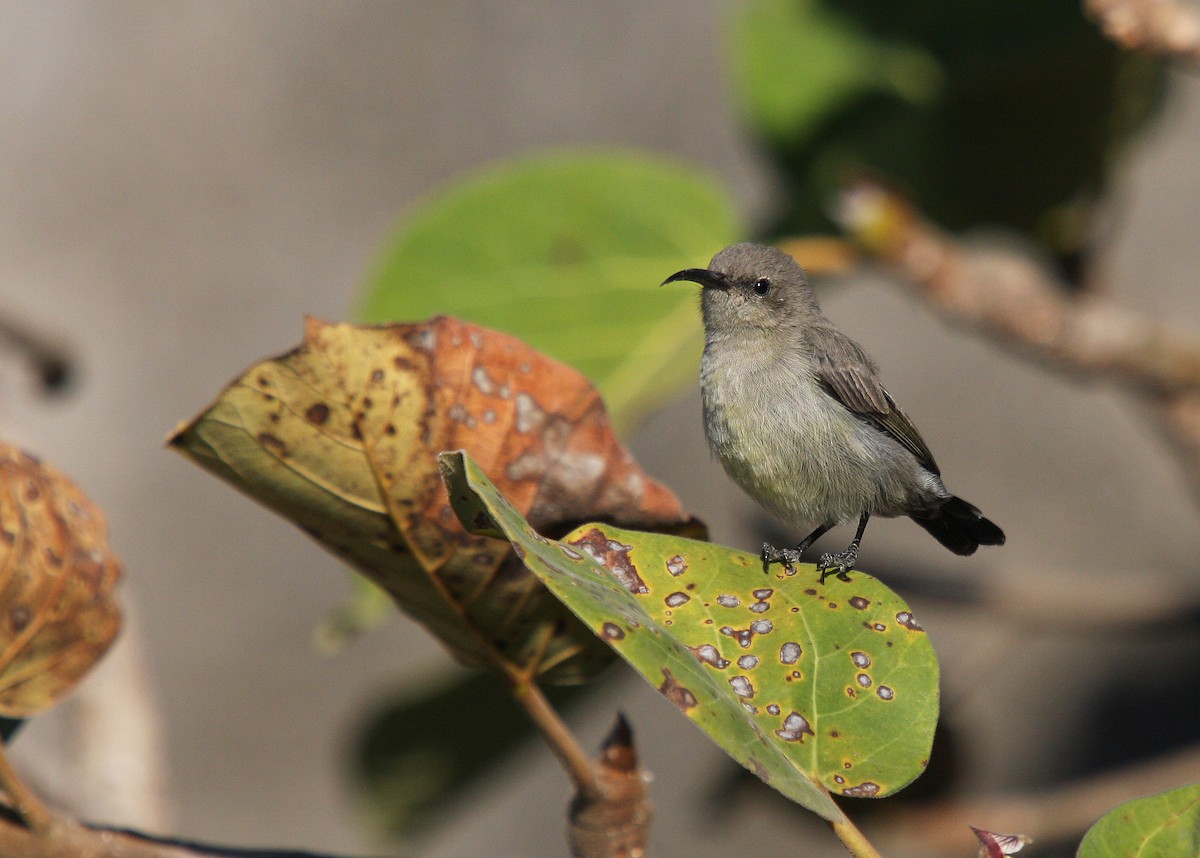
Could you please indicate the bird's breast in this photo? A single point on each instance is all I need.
(785, 441)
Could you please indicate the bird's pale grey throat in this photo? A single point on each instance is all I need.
(796, 413)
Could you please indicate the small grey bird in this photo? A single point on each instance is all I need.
(796, 413)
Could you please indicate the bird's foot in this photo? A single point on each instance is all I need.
(838, 564)
(788, 557)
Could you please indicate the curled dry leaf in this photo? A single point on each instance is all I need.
(58, 613)
(999, 845)
(341, 436)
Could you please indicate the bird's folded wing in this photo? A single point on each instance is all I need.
(849, 375)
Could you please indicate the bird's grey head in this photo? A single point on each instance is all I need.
(751, 287)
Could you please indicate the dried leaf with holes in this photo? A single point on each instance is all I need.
(58, 613)
(341, 436)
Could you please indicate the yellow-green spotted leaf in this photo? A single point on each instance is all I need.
(1166, 825)
(815, 688)
(566, 250)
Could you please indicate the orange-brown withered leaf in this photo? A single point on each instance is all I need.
(58, 613)
(341, 436)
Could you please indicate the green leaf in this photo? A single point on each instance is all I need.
(798, 62)
(420, 755)
(812, 687)
(366, 607)
(566, 250)
(1164, 826)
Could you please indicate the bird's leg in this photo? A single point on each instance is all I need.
(789, 557)
(842, 562)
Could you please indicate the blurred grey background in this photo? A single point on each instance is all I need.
(183, 180)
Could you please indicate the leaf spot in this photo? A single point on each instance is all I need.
(19, 617)
(744, 637)
(424, 338)
(790, 653)
(795, 728)
(529, 414)
(677, 566)
(676, 693)
(317, 413)
(860, 659)
(481, 380)
(459, 414)
(710, 655)
(614, 556)
(741, 686)
(612, 632)
(270, 441)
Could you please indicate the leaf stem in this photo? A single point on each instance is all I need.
(853, 839)
(557, 735)
(35, 815)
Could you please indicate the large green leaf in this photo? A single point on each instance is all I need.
(566, 251)
(797, 62)
(985, 111)
(1166, 825)
(813, 687)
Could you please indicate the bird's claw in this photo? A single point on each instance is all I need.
(788, 557)
(838, 564)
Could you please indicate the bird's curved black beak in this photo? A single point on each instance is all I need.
(706, 278)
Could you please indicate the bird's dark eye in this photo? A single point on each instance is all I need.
(762, 286)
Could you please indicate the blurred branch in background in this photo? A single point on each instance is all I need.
(1009, 298)
(51, 362)
(1163, 27)
(1057, 814)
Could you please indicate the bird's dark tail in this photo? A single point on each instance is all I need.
(960, 527)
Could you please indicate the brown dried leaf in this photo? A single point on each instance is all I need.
(58, 613)
(341, 437)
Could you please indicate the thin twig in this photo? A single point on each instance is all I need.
(36, 816)
(557, 734)
(53, 365)
(853, 839)
(1019, 305)
(67, 838)
(1163, 27)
